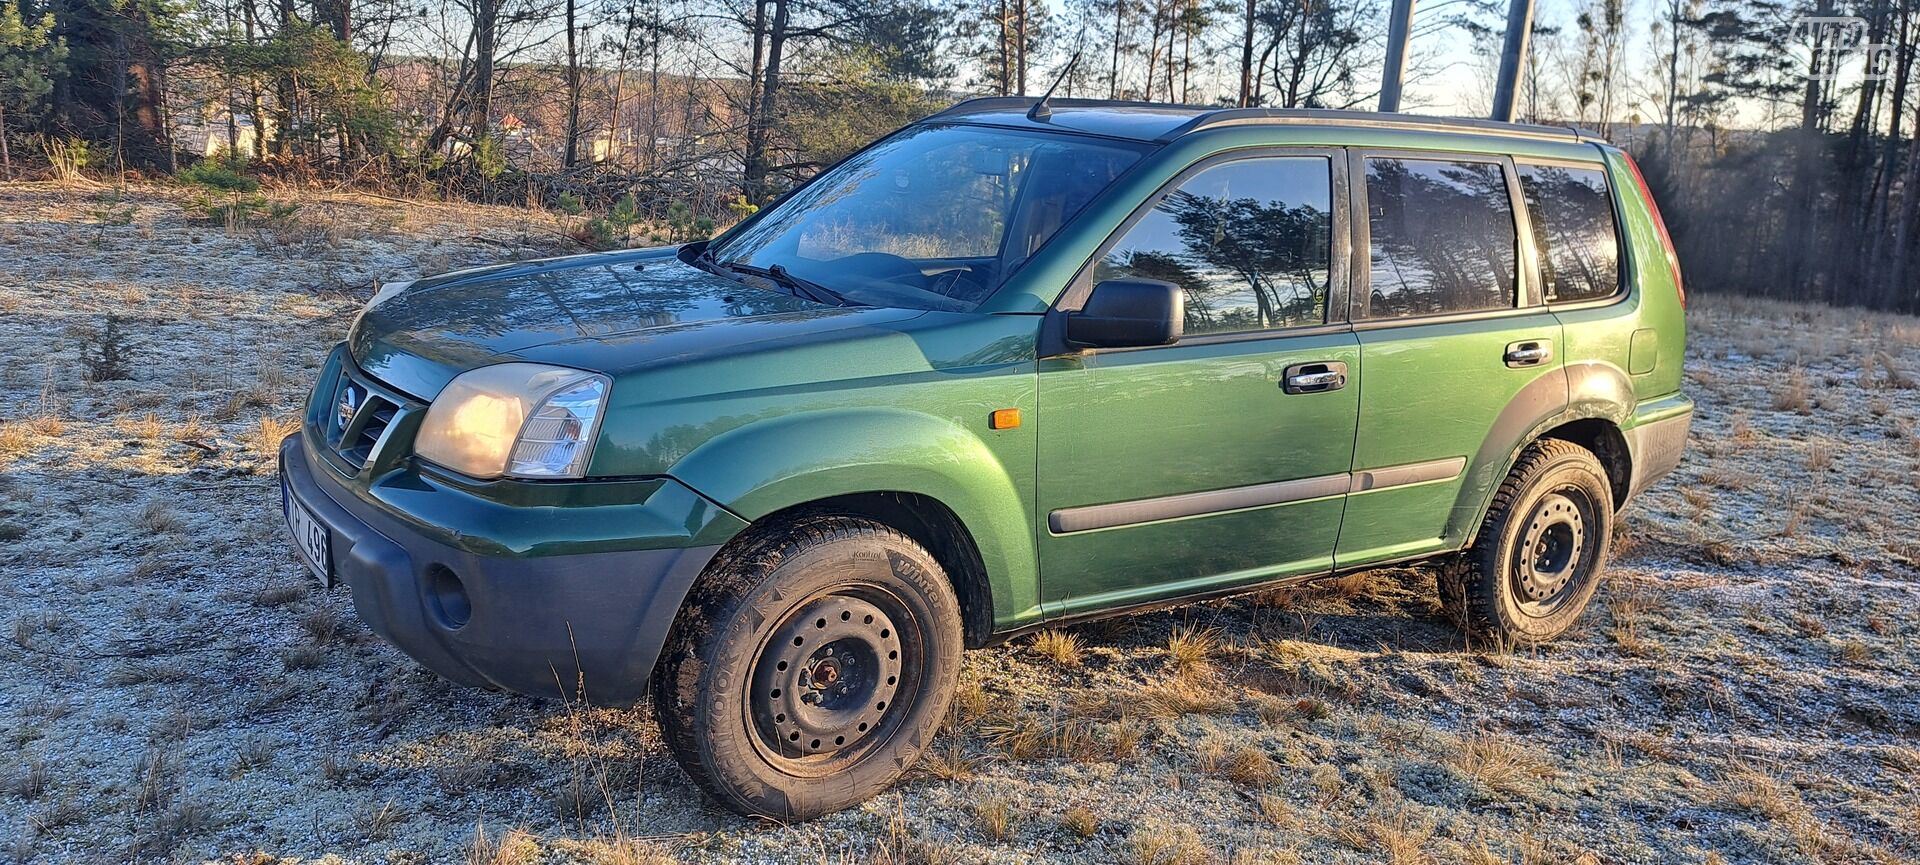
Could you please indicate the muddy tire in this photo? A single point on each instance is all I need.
(810, 667)
(1541, 553)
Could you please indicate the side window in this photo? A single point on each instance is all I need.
(1572, 216)
(1442, 237)
(1250, 241)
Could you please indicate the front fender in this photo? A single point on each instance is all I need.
(780, 462)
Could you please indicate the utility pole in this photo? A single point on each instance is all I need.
(1512, 58)
(1399, 25)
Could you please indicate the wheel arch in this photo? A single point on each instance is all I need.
(1598, 399)
(1604, 439)
(931, 524)
(961, 497)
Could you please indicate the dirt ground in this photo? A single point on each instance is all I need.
(174, 688)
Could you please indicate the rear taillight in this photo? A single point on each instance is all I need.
(1666, 240)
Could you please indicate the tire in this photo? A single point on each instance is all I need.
(1558, 504)
(810, 667)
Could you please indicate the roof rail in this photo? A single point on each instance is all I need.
(984, 104)
(1336, 117)
(1211, 117)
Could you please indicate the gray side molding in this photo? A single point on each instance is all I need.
(1107, 516)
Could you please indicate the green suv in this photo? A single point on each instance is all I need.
(1014, 365)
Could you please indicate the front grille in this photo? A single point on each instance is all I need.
(356, 418)
(364, 431)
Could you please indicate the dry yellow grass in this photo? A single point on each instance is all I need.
(1398, 837)
(1080, 821)
(1278, 811)
(264, 439)
(1060, 647)
(993, 816)
(1191, 650)
(1500, 765)
(516, 847)
(950, 762)
(1793, 393)
(970, 703)
(1168, 845)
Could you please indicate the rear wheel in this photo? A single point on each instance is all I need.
(1540, 554)
(810, 667)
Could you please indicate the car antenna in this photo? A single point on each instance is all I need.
(1041, 110)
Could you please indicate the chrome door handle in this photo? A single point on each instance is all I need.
(1318, 377)
(1532, 352)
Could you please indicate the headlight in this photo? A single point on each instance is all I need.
(522, 420)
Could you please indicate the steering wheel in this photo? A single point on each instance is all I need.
(957, 283)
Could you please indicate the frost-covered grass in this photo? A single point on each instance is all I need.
(172, 688)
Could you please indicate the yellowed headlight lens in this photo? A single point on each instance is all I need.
(473, 425)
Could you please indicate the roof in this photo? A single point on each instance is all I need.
(1161, 123)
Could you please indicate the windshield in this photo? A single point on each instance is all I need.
(935, 217)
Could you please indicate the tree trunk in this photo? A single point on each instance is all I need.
(619, 89)
(337, 15)
(1006, 60)
(1020, 46)
(1187, 52)
(6, 156)
(1246, 58)
(1904, 239)
(1153, 51)
(1887, 167)
(1119, 24)
(573, 88)
(1673, 66)
(486, 34)
(760, 123)
(757, 67)
(653, 89)
(1172, 19)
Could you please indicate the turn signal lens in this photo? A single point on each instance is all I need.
(1006, 418)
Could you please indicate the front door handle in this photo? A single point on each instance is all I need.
(1316, 377)
(1532, 352)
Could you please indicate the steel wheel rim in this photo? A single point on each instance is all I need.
(833, 680)
(1551, 557)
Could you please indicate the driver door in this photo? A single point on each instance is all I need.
(1195, 467)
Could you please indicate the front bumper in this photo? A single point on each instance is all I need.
(584, 624)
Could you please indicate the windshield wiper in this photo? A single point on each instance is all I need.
(801, 286)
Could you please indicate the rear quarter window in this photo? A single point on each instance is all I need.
(1572, 214)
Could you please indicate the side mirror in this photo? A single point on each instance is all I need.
(1125, 313)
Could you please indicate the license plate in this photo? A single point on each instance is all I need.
(310, 538)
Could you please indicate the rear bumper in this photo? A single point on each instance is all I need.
(564, 625)
(1658, 440)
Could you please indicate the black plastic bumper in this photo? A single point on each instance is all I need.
(545, 626)
(1657, 448)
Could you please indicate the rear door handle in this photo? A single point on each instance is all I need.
(1316, 377)
(1532, 352)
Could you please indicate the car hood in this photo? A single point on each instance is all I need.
(570, 311)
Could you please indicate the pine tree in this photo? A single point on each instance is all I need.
(30, 58)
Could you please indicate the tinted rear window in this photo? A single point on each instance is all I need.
(1442, 237)
(1573, 229)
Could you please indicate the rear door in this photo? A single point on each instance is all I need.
(1193, 467)
(1459, 354)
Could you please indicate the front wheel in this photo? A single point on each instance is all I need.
(810, 667)
(1541, 552)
